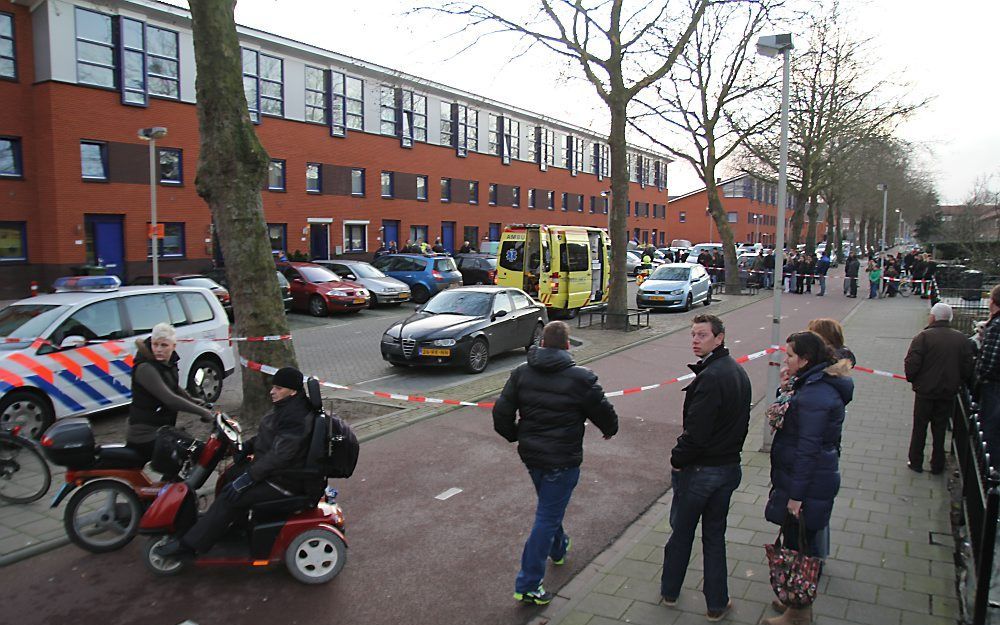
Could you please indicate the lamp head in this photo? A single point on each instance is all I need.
(156, 132)
(773, 45)
(605, 193)
(882, 186)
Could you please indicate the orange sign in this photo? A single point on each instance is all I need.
(157, 231)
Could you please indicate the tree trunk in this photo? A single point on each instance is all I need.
(811, 230)
(232, 170)
(795, 225)
(863, 232)
(617, 219)
(833, 229)
(718, 214)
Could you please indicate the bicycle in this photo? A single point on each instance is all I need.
(24, 474)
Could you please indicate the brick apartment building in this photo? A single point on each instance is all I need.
(360, 153)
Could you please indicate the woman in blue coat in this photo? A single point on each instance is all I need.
(805, 474)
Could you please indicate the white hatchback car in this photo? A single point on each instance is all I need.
(70, 353)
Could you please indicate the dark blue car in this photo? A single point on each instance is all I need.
(427, 275)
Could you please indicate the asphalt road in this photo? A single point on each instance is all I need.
(415, 559)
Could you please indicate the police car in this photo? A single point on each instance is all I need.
(70, 353)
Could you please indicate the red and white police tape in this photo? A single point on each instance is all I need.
(247, 339)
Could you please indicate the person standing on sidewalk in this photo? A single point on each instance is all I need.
(874, 277)
(988, 379)
(554, 398)
(705, 465)
(768, 269)
(939, 360)
(851, 269)
(822, 267)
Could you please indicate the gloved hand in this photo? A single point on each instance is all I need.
(243, 456)
(233, 490)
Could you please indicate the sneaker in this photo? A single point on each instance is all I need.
(914, 468)
(173, 549)
(561, 561)
(538, 596)
(718, 615)
(667, 601)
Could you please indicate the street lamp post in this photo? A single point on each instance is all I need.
(771, 46)
(884, 188)
(151, 135)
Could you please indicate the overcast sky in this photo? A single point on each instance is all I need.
(944, 50)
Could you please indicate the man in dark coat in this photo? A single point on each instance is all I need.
(705, 465)
(851, 269)
(555, 398)
(768, 269)
(988, 378)
(940, 359)
(281, 443)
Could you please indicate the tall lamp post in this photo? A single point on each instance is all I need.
(884, 188)
(771, 46)
(151, 135)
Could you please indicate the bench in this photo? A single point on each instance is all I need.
(632, 313)
(589, 312)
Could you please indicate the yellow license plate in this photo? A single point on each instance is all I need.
(434, 352)
(658, 298)
(404, 296)
(359, 300)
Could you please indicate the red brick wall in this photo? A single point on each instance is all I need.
(696, 228)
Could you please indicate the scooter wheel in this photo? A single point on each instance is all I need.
(103, 516)
(159, 565)
(315, 556)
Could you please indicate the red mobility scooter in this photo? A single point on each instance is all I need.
(306, 532)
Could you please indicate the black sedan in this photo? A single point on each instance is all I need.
(465, 326)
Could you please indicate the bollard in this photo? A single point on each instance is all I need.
(34, 288)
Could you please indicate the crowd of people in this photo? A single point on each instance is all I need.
(420, 246)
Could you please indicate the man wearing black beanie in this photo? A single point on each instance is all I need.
(281, 443)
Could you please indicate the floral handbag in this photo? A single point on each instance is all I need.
(794, 574)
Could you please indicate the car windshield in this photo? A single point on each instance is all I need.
(199, 281)
(365, 271)
(492, 262)
(445, 264)
(26, 321)
(282, 280)
(671, 273)
(318, 274)
(471, 303)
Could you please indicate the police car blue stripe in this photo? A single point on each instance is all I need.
(55, 393)
(110, 381)
(4, 387)
(122, 366)
(91, 392)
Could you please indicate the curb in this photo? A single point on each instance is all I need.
(33, 550)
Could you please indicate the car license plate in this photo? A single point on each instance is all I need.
(424, 351)
(404, 295)
(657, 298)
(359, 300)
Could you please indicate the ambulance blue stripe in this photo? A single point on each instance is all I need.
(122, 366)
(91, 392)
(55, 393)
(110, 381)
(4, 387)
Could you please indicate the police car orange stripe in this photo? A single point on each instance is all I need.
(30, 363)
(94, 357)
(68, 363)
(10, 378)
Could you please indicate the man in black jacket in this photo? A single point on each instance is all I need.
(555, 398)
(706, 465)
(851, 269)
(281, 443)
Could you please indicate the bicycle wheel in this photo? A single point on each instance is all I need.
(24, 474)
(905, 288)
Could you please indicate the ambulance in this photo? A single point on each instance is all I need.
(563, 267)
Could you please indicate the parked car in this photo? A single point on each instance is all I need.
(465, 326)
(89, 328)
(320, 291)
(633, 261)
(693, 253)
(427, 274)
(677, 285)
(383, 289)
(219, 275)
(190, 279)
(477, 268)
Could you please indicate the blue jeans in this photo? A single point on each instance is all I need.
(554, 488)
(700, 493)
(822, 285)
(872, 289)
(768, 278)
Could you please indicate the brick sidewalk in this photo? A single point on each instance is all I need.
(891, 559)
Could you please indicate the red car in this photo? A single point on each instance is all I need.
(319, 291)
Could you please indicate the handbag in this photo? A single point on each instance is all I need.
(794, 574)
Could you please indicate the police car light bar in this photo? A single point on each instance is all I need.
(97, 284)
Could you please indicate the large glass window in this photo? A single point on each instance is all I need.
(543, 152)
(355, 237)
(251, 86)
(403, 114)
(133, 56)
(95, 53)
(354, 92)
(11, 164)
(473, 192)
(13, 241)
(346, 104)
(573, 154)
(8, 54)
(357, 182)
(447, 136)
(459, 127)
(387, 106)
(276, 175)
(171, 245)
(171, 166)
(278, 234)
(471, 234)
(316, 98)
(94, 160)
(388, 180)
(446, 189)
(100, 320)
(314, 180)
(418, 234)
(505, 137)
(272, 77)
(422, 188)
(163, 62)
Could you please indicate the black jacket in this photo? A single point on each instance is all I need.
(157, 395)
(554, 398)
(939, 360)
(282, 443)
(852, 267)
(716, 413)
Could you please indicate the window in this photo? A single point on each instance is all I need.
(593, 204)
(633, 174)
(13, 241)
(531, 198)
(171, 166)
(682, 217)
(459, 127)
(520, 300)
(501, 303)
(357, 182)
(447, 134)
(133, 56)
(422, 188)
(95, 53)
(8, 56)
(544, 141)
(731, 217)
(272, 75)
(172, 243)
(199, 309)
(579, 203)
(473, 192)
(276, 175)
(516, 197)
(505, 140)
(10, 157)
(471, 234)
(551, 200)
(94, 160)
(573, 154)
(100, 320)
(493, 194)
(316, 91)
(607, 204)
(355, 237)
(577, 256)
(600, 161)
(387, 104)
(404, 115)
(278, 234)
(347, 104)
(314, 178)
(565, 201)
(251, 86)
(162, 63)
(387, 183)
(446, 189)
(418, 233)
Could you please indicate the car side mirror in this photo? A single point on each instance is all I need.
(351, 276)
(499, 313)
(72, 341)
(297, 281)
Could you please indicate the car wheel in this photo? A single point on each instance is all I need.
(211, 383)
(479, 356)
(688, 303)
(420, 294)
(708, 296)
(28, 410)
(317, 306)
(536, 337)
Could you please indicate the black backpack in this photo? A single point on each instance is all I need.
(341, 449)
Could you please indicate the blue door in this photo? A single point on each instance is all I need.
(494, 232)
(319, 241)
(448, 236)
(390, 232)
(109, 242)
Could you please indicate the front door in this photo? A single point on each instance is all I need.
(448, 236)
(108, 242)
(390, 232)
(319, 241)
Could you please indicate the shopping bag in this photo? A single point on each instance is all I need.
(794, 574)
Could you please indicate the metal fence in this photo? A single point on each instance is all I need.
(967, 292)
(980, 486)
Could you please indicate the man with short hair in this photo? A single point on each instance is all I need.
(554, 399)
(706, 465)
(988, 379)
(768, 269)
(939, 360)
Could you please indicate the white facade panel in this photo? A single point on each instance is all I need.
(40, 41)
(295, 89)
(62, 41)
(188, 71)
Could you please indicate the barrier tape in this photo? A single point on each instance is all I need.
(248, 339)
(787, 274)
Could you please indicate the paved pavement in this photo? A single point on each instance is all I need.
(891, 547)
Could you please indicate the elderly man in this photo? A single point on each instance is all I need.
(940, 359)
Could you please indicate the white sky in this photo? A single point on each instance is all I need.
(946, 51)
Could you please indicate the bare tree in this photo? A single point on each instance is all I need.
(232, 170)
(609, 42)
(714, 85)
